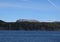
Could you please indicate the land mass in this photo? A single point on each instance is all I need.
(30, 25)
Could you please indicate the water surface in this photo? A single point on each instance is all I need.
(29, 36)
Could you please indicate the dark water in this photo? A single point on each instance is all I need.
(29, 36)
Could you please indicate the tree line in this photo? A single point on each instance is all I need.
(48, 26)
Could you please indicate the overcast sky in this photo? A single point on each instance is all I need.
(43, 10)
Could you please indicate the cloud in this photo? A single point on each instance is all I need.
(24, 0)
(13, 5)
(52, 3)
(19, 5)
(34, 6)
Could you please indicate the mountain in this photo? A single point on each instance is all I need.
(25, 24)
(27, 20)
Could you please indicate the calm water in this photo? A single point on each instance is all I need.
(29, 36)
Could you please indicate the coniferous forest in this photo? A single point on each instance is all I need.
(25, 25)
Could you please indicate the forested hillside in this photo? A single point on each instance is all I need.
(48, 26)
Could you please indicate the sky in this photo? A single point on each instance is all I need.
(42, 10)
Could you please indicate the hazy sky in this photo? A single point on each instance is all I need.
(43, 10)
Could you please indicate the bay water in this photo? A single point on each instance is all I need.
(29, 36)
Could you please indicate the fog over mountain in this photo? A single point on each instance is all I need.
(27, 20)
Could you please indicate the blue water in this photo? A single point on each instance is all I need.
(29, 36)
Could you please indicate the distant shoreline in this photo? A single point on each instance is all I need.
(30, 25)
